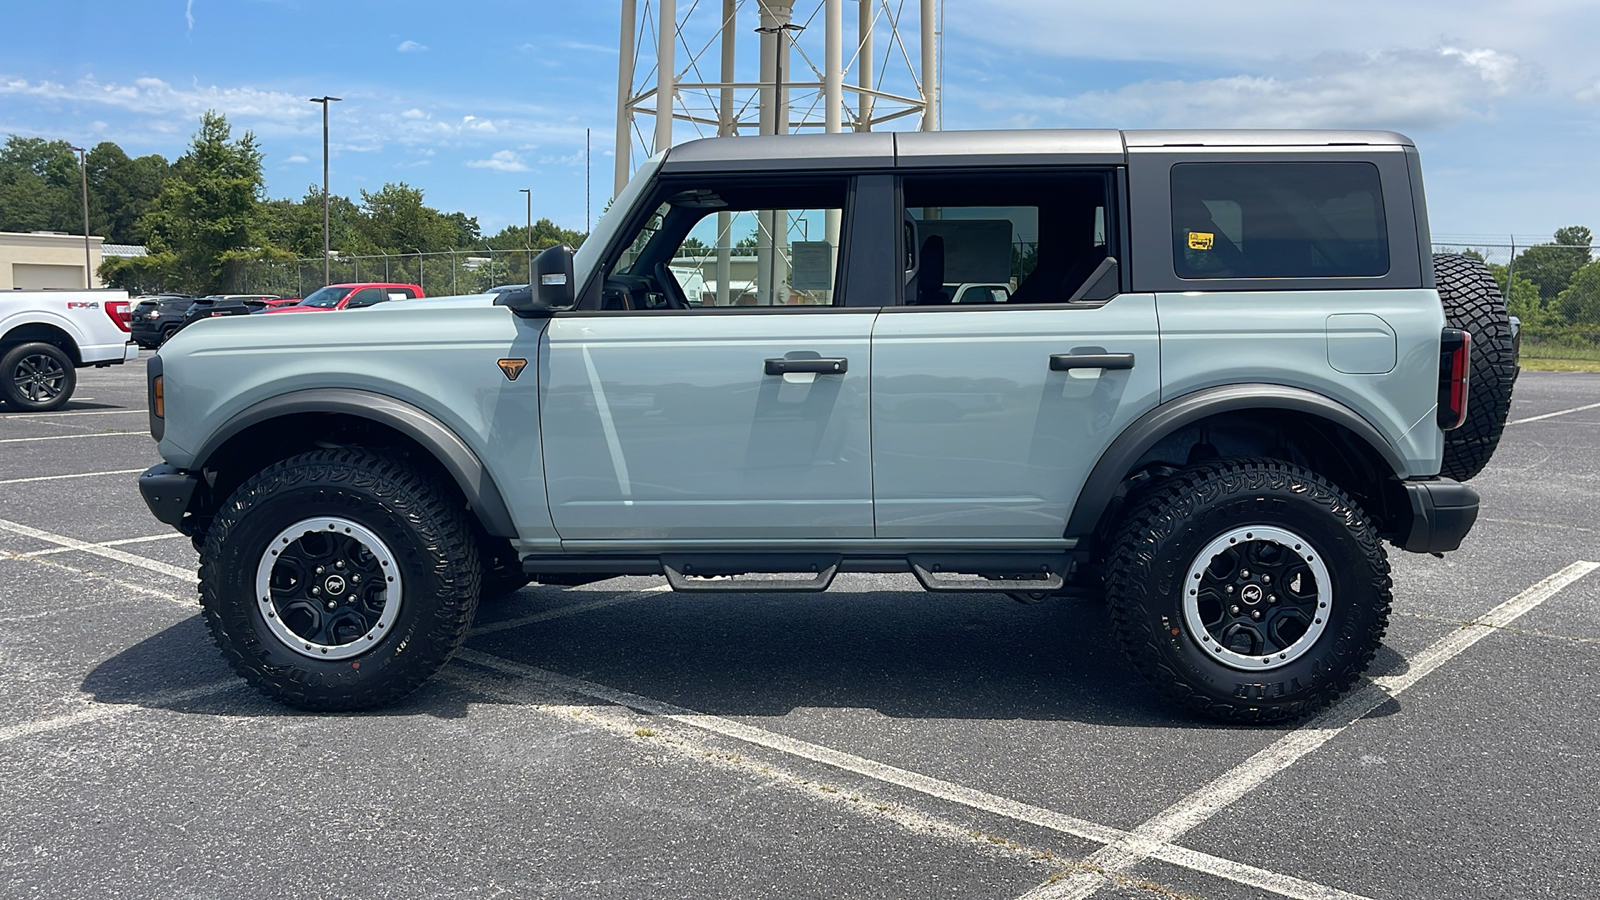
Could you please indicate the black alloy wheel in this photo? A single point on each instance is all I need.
(36, 377)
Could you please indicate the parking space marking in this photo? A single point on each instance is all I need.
(144, 562)
(75, 412)
(72, 475)
(90, 573)
(1190, 812)
(939, 789)
(103, 711)
(574, 609)
(1564, 412)
(118, 543)
(68, 437)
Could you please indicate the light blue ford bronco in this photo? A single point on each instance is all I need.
(1207, 376)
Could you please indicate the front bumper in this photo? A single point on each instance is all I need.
(1443, 510)
(167, 491)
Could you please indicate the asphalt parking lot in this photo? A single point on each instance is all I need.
(619, 740)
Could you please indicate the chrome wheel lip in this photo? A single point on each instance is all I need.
(393, 588)
(1293, 543)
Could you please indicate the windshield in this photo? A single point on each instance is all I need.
(327, 298)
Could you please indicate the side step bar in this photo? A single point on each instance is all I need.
(1004, 572)
(723, 572)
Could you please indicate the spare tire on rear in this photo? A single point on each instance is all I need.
(1472, 302)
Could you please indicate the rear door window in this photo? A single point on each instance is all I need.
(1278, 220)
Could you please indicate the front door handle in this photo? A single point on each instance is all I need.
(837, 366)
(1061, 362)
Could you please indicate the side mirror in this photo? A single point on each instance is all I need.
(551, 288)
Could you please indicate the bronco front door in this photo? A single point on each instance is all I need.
(714, 397)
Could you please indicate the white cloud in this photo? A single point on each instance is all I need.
(297, 158)
(1404, 89)
(188, 15)
(411, 47)
(154, 97)
(1588, 94)
(414, 113)
(499, 161)
(473, 123)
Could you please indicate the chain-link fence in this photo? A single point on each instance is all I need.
(438, 274)
(1559, 307)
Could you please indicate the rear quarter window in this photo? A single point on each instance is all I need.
(1278, 220)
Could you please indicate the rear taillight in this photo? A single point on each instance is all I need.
(1455, 369)
(120, 313)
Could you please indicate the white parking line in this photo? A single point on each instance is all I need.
(1564, 412)
(574, 609)
(103, 711)
(187, 575)
(75, 412)
(1190, 812)
(983, 801)
(68, 437)
(73, 475)
(150, 538)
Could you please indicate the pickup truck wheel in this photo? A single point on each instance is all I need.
(339, 579)
(36, 377)
(1248, 590)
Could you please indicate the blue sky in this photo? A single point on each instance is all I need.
(471, 101)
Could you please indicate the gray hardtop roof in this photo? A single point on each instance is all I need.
(914, 149)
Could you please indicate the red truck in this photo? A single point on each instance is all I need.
(349, 296)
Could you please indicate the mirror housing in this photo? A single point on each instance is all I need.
(550, 289)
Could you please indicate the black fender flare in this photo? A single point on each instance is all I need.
(1150, 428)
(482, 494)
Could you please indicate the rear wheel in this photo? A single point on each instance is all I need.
(339, 579)
(36, 377)
(1472, 302)
(1248, 590)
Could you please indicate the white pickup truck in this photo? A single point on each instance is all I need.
(46, 335)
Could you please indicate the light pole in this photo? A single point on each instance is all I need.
(325, 101)
(83, 176)
(527, 236)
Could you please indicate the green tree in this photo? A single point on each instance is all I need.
(545, 234)
(39, 189)
(1551, 266)
(207, 218)
(1579, 304)
(1523, 300)
(122, 191)
(395, 220)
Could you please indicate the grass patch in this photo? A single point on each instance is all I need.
(1536, 364)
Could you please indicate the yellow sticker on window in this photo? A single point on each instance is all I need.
(1201, 240)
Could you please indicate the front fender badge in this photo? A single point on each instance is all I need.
(513, 367)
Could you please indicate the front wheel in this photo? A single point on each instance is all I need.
(1249, 590)
(339, 579)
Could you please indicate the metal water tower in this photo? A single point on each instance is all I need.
(809, 75)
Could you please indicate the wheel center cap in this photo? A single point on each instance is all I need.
(334, 585)
(1251, 594)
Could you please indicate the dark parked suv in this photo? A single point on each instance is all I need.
(158, 317)
(226, 305)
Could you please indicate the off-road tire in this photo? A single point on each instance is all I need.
(418, 518)
(25, 362)
(1163, 534)
(1472, 302)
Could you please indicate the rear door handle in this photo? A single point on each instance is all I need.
(1061, 362)
(837, 366)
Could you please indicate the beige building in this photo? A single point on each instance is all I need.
(46, 260)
